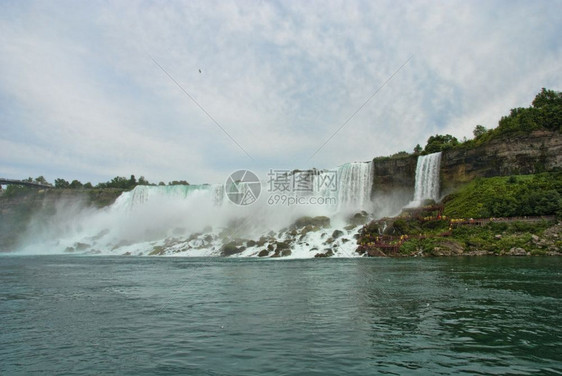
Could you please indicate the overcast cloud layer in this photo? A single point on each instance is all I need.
(81, 95)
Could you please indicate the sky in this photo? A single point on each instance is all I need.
(194, 90)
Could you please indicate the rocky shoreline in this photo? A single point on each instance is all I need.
(442, 238)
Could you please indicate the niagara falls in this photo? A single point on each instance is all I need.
(264, 188)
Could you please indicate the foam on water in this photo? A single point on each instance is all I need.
(198, 220)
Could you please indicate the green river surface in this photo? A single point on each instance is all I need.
(81, 315)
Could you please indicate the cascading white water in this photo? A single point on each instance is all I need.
(354, 181)
(197, 220)
(427, 178)
(144, 193)
(347, 188)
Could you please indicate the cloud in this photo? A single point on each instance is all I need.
(80, 96)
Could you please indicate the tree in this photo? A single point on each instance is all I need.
(61, 183)
(547, 97)
(479, 131)
(41, 180)
(120, 182)
(88, 185)
(178, 182)
(545, 113)
(76, 184)
(418, 149)
(440, 142)
(143, 181)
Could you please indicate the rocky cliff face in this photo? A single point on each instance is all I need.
(524, 154)
(394, 179)
(393, 183)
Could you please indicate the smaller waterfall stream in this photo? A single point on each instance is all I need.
(427, 179)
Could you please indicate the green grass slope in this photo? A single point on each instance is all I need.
(521, 195)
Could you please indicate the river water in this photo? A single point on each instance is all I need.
(216, 316)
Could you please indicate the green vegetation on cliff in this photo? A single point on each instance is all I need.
(493, 216)
(523, 195)
(545, 113)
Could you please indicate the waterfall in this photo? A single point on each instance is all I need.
(427, 178)
(141, 194)
(354, 185)
(349, 185)
(347, 188)
(197, 220)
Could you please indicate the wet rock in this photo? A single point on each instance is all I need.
(157, 251)
(81, 246)
(263, 253)
(286, 252)
(328, 253)
(320, 221)
(69, 249)
(251, 243)
(516, 251)
(230, 249)
(337, 233)
(282, 245)
(309, 228)
(358, 219)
